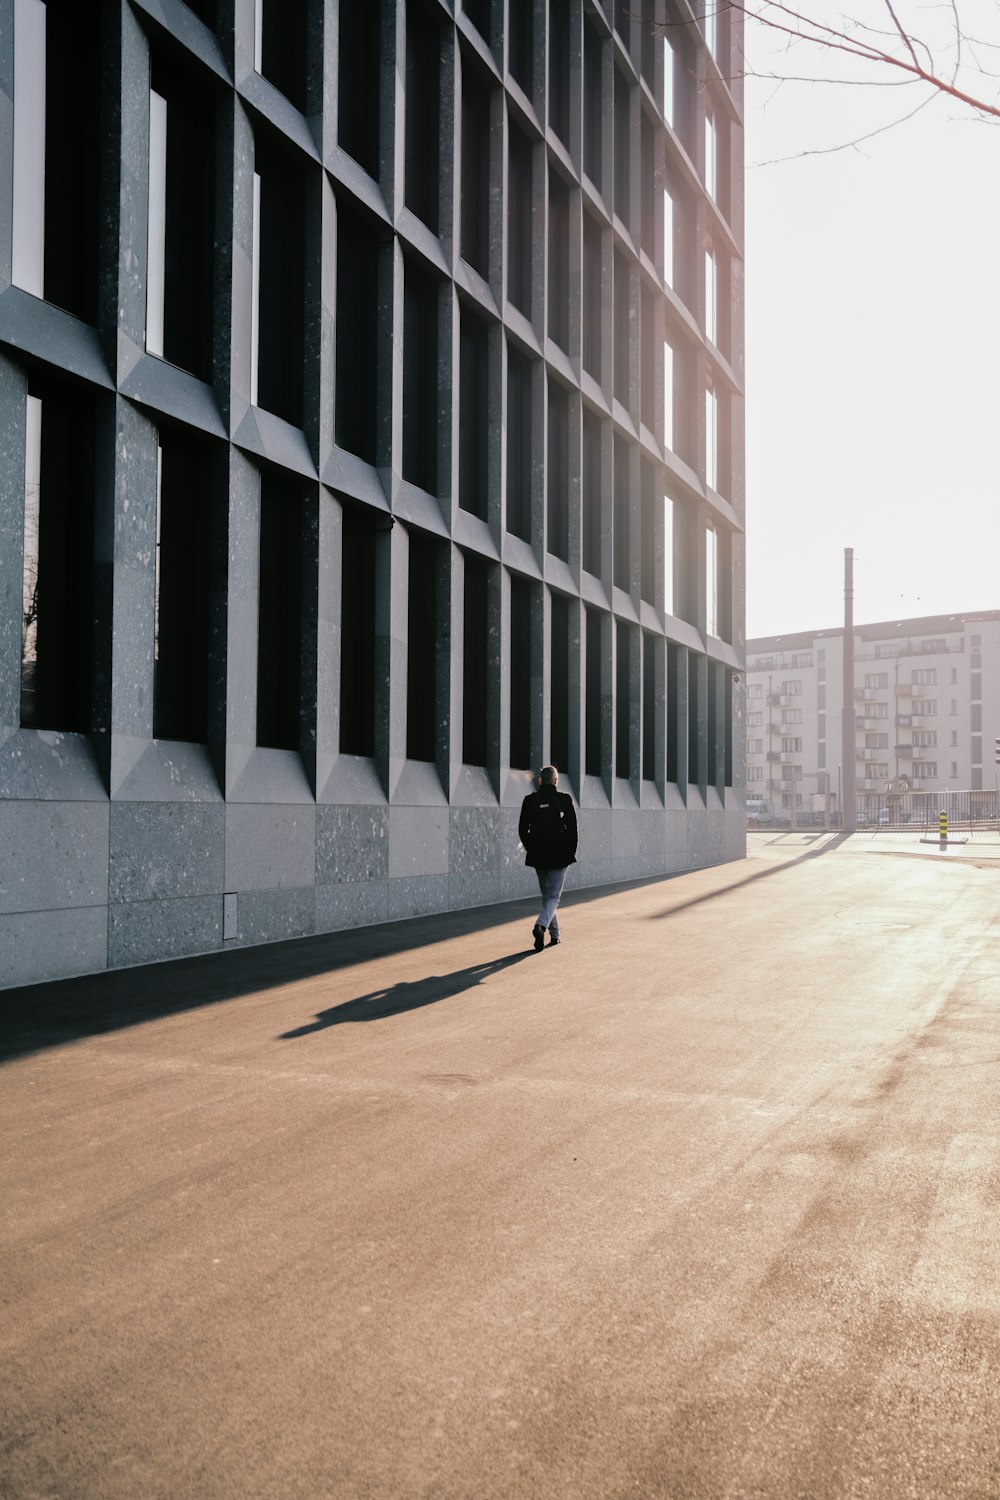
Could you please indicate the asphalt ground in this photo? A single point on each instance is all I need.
(701, 1203)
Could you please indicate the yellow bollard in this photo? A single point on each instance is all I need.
(943, 827)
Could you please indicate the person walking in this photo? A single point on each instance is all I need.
(548, 831)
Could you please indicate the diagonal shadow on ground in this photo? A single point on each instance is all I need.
(788, 864)
(377, 1005)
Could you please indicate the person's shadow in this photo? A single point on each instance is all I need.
(407, 995)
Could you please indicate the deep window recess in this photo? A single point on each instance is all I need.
(358, 84)
(712, 742)
(668, 555)
(557, 472)
(623, 148)
(280, 47)
(58, 551)
(422, 648)
(56, 152)
(559, 53)
(623, 700)
(279, 613)
(518, 444)
(478, 12)
(473, 414)
(279, 280)
(420, 377)
(648, 347)
(519, 237)
(522, 668)
(475, 206)
(648, 707)
(521, 45)
(475, 663)
(623, 329)
(593, 299)
(180, 265)
(559, 683)
(591, 491)
(184, 505)
(593, 102)
(676, 657)
(205, 10)
(592, 710)
(558, 321)
(357, 633)
(695, 749)
(357, 334)
(648, 501)
(647, 184)
(423, 108)
(622, 502)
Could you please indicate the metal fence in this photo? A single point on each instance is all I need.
(967, 812)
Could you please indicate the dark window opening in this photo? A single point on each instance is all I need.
(475, 661)
(58, 552)
(623, 701)
(420, 378)
(648, 707)
(522, 670)
(559, 683)
(623, 148)
(358, 83)
(696, 762)
(475, 206)
(521, 45)
(647, 184)
(185, 315)
(728, 729)
(593, 105)
(674, 716)
(474, 415)
(422, 648)
(205, 10)
(518, 444)
(647, 584)
(357, 334)
(621, 535)
(650, 345)
(478, 12)
(712, 737)
(281, 300)
(184, 533)
(558, 321)
(284, 45)
(423, 123)
(559, 50)
(591, 493)
(357, 633)
(623, 329)
(279, 614)
(557, 472)
(520, 221)
(592, 709)
(593, 299)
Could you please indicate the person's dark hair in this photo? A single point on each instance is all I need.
(549, 775)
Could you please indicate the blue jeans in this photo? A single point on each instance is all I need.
(550, 883)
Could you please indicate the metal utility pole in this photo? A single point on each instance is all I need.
(849, 770)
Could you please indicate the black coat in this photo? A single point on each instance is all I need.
(548, 829)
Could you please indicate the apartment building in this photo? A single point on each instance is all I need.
(926, 705)
(372, 413)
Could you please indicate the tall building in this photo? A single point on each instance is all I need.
(926, 703)
(372, 432)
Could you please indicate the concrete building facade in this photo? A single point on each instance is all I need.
(926, 703)
(371, 432)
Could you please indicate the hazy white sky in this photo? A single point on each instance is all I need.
(873, 348)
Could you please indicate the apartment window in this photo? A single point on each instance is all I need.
(357, 633)
(924, 677)
(953, 740)
(623, 700)
(711, 152)
(668, 237)
(668, 555)
(927, 737)
(557, 472)
(521, 45)
(802, 659)
(423, 115)
(791, 743)
(709, 23)
(475, 206)
(876, 679)
(358, 84)
(593, 761)
(56, 153)
(933, 646)
(954, 705)
(791, 687)
(591, 494)
(953, 678)
(357, 333)
(181, 632)
(711, 581)
(875, 711)
(711, 295)
(593, 101)
(518, 444)
(620, 535)
(648, 707)
(559, 682)
(281, 42)
(279, 613)
(755, 747)
(924, 708)
(791, 716)
(420, 376)
(519, 220)
(877, 770)
(755, 721)
(954, 769)
(755, 690)
(755, 773)
(59, 477)
(711, 438)
(876, 741)
(474, 414)
(475, 661)
(521, 671)
(559, 54)
(422, 636)
(886, 651)
(668, 81)
(278, 334)
(558, 320)
(925, 770)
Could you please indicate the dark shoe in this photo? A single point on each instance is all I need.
(554, 942)
(538, 933)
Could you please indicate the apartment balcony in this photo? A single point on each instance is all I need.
(903, 721)
(871, 784)
(905, 689)
(870, 695)
(869, 754)
(870, 724)
(774, 755)
(903, 749)
(787, 757)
